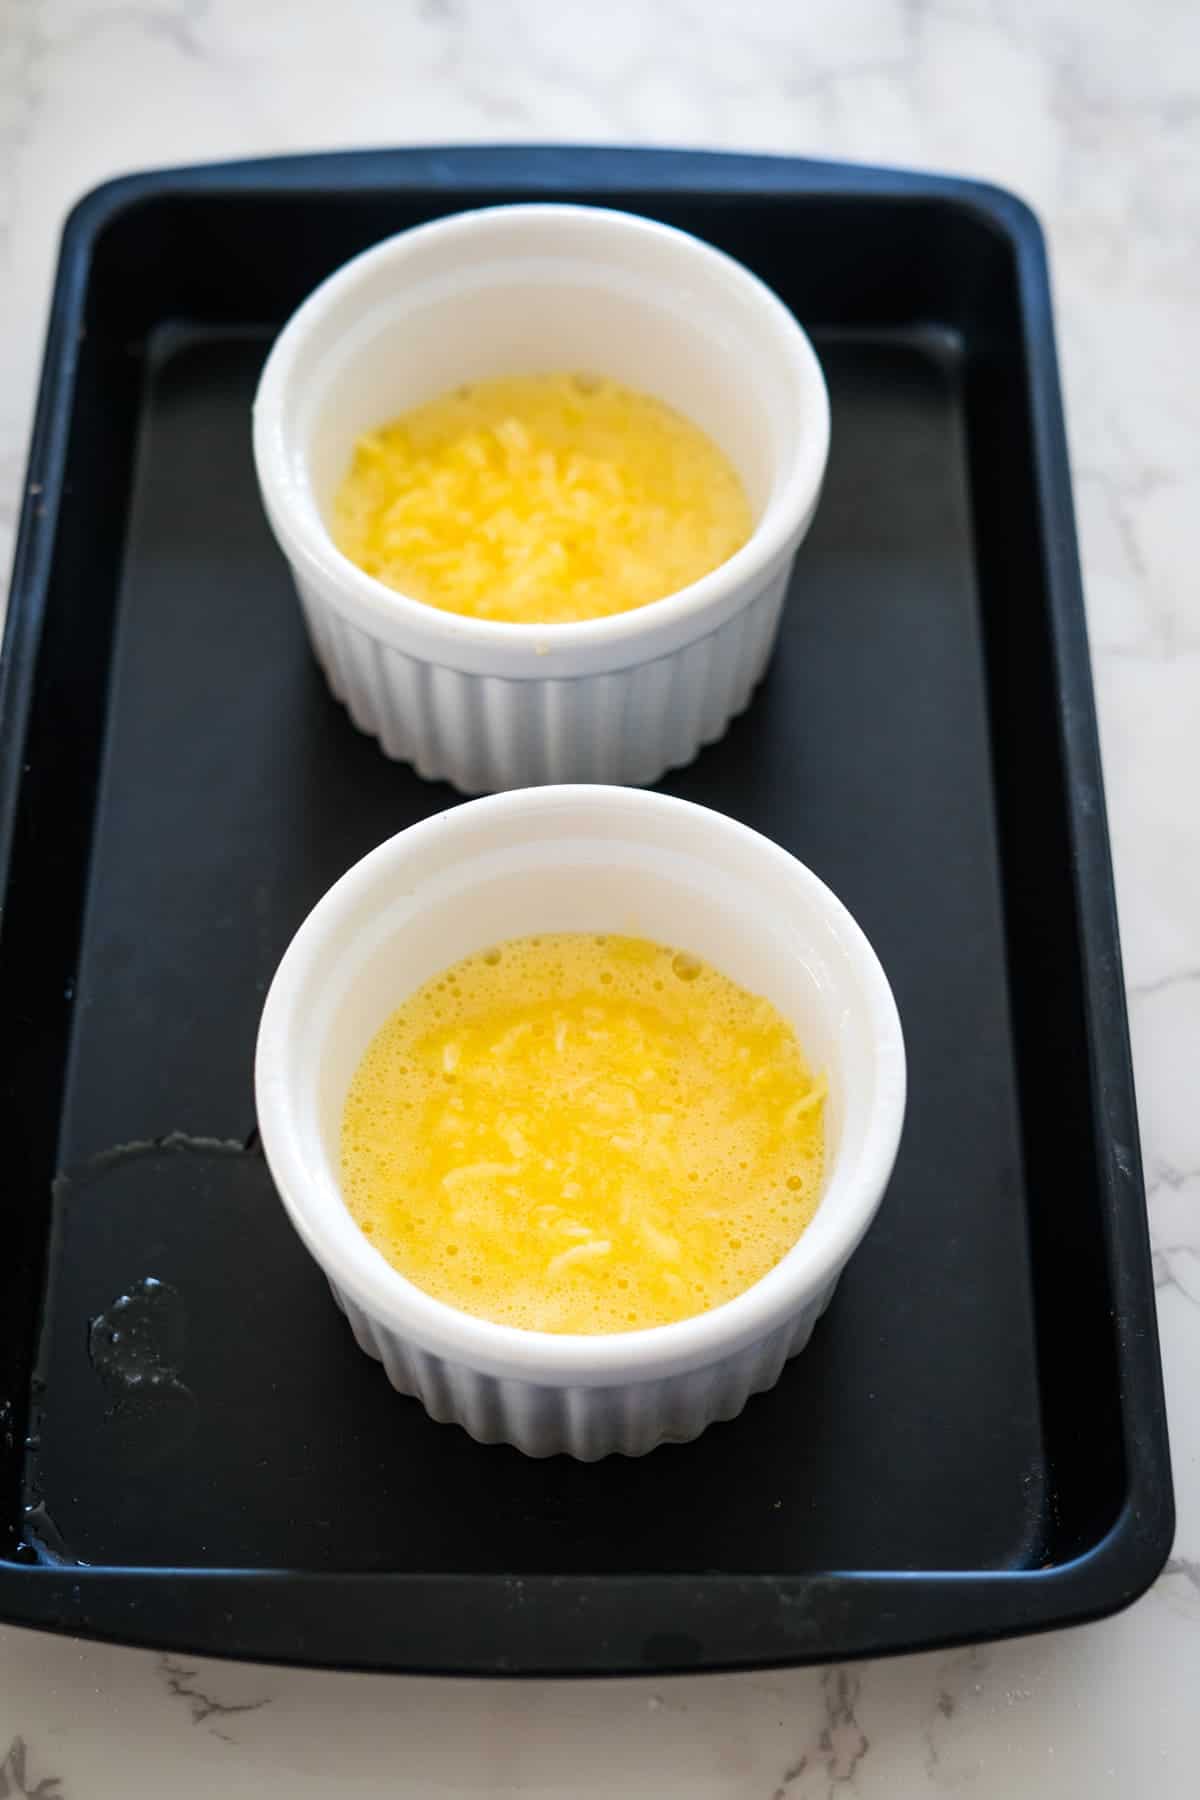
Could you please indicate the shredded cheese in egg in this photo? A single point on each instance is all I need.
(540, 499)
(580, 1133)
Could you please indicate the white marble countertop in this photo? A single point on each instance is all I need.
(1091, 110)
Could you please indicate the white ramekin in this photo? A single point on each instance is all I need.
(578, 859)
(522, 289)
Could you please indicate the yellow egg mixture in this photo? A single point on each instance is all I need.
(589, 1134)
(540, 499)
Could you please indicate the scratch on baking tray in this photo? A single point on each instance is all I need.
(174, 1140)
(108, 1158)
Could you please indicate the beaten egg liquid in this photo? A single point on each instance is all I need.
(540, 499)
(576, 1133)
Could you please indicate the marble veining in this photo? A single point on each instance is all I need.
(180, 1680)
(833, 1758)
(16, 1777)
(1092, 112)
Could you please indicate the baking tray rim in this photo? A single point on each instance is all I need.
(850, 1608)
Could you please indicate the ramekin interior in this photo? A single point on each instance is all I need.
(524, 289)
(576, 859)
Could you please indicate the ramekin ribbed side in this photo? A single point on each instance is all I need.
(587, 1423)
(484, 733)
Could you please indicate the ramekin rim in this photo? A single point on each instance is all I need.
(308, 543)
(554, 1359)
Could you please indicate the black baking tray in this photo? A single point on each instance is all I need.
(974, 1442)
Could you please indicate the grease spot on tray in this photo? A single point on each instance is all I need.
(136, 1344)
(121, 1403)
